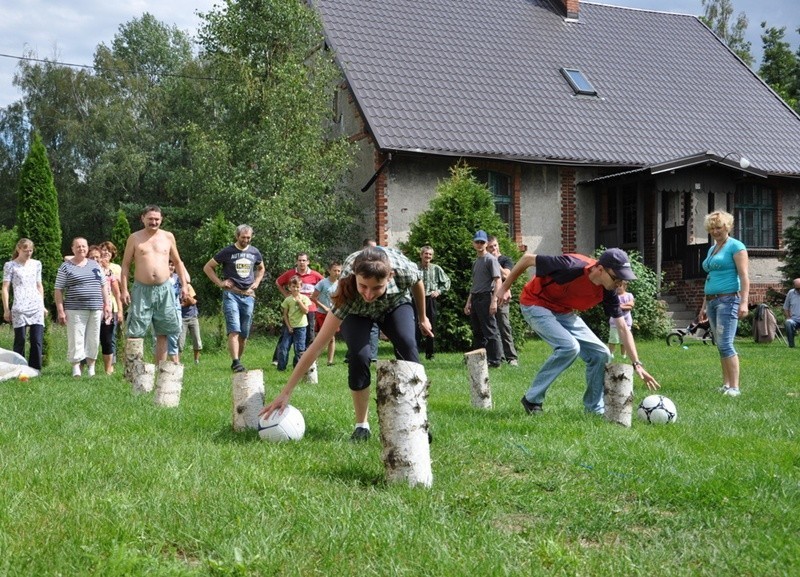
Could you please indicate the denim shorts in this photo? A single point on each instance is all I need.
(238, 311)
(723, 314)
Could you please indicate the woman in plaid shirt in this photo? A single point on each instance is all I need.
(376, 287)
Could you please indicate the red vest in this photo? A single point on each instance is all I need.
(562, 284)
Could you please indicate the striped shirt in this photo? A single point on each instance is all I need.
(406, 275)
(82, 286)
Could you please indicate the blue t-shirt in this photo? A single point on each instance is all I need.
(723, 276)
(239, 265)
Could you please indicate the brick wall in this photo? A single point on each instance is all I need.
(568, 207)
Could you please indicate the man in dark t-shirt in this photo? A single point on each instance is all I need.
(242, 269)
(482, 304)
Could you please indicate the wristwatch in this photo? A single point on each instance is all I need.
(637, 364)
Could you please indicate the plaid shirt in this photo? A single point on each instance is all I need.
(434, 278)
(406, 275)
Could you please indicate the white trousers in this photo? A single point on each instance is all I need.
(83, 334)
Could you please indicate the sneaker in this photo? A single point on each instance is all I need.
(76, 371)
(513, 363)
(237, 366)
(494, 365)
(275, 363)
(360, 435)
(532, 408)
(731, 392)
(90, 371)
(724, 389)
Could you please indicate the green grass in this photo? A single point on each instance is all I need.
(96, 481)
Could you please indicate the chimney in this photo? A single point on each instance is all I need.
(572, 8)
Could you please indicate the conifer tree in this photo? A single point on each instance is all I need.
(37, 213)
(120, 234)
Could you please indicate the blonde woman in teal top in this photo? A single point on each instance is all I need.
(727, 292)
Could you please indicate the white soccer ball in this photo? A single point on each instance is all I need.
(657, 409)
(286, 426)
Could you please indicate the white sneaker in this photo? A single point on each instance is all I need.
(76, 370)
(732, 392)
(90, 371)
(724, 388)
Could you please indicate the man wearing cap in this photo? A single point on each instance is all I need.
(562, 285)
(482, 304)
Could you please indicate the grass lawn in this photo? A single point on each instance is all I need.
(96, 481)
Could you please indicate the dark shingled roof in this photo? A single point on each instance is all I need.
(482, 78)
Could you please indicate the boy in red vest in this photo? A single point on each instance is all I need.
(562, 285)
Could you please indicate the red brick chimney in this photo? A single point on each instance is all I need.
(572, 8)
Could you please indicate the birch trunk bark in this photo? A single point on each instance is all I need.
(403, 419)
(480, 391)
(248, 399)
(139, 374)
(169, 383)
(618, 393)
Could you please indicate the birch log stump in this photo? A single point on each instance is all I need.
(169, 382)
(312, 375)
(248, 399)
(480, 391)
(403, 419)
(139, 374)
(618, 393)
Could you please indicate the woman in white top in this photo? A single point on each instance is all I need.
(24, 274)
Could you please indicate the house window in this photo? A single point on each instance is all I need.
(578, 81)
(755, 215)
(499, 185)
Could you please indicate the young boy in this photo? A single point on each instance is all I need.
(322, 298)
(191, 324)
(626, 304)
(295, 316)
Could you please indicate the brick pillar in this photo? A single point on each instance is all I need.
(568, 208)
(381, 203)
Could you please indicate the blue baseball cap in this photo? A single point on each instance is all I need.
(481, 236)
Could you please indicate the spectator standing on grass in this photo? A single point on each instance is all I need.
(23, 275)
(294, 311)
(242, 269)
(152, 298)
(561, 286)
(374, 288)
(436, 282)
(503, 320)
(626, 302)
(82, 304)
(791, 311)
(108, 326)
(727, 290)
(481, 304)
(108, 252)
(308, 279)
(321, 297)
(190, 315)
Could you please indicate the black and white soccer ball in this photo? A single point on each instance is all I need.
(657, 409)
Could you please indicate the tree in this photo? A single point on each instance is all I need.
(37, 213)
(120, 234)
(779, 67)
(462, 205)
(719, 17)
(791, 266)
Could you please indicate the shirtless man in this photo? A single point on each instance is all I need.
(152, 299)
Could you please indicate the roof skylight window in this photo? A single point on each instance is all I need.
(578, 81)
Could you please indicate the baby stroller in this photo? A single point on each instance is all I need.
(700, 330)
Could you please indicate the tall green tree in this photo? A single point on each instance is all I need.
(120, 234)
(780, 68)
(462, 205)
(37, 213)
(718, 15)
(791, 259)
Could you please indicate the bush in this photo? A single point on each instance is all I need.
(462, 205)
(650, 319)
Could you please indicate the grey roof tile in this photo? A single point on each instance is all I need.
(482, 77)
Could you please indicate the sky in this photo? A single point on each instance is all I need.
(70, 31)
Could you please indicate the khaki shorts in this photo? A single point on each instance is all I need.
(153, 304)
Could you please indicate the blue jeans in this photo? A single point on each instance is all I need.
(570, 338)
(238, 311)
(791, 328)
(723, 314)
(297, 338)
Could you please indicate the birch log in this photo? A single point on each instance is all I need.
(169, 382)
(312, 376)
(618, 393)
(248, 399)
(139, 374)
(480, 391)
(403, 419)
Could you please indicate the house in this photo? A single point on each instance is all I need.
(592, 125)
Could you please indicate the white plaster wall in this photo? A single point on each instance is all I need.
(540, 209)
